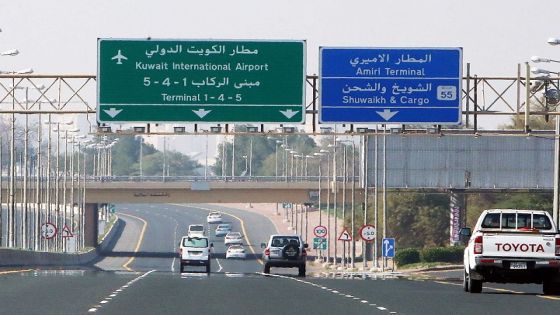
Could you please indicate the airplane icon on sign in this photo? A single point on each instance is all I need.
(119, 57)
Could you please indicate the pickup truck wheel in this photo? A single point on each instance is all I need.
(551, 288)
(301, 272)
(475, 286)
(465, 281)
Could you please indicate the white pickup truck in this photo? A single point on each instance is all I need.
(517, 246)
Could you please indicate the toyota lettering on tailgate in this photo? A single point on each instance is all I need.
(507, 247)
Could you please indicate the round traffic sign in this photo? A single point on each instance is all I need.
(367, 232)
(48, 230)
(320, 231)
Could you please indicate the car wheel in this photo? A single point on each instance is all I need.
(551, 288)
(301, 271)
(465, 281)
(475, 286)
(266, 269)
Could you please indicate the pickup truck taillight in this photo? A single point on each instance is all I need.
(557, 251)
(267, 251)
(478, 245)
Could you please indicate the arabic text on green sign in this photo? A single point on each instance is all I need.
(201, 81)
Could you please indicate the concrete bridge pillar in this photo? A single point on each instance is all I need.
(91, 222)
(457, 214)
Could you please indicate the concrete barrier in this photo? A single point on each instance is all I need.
(16, 257)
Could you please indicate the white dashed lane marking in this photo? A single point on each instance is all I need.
(362, 301)
(95, 308)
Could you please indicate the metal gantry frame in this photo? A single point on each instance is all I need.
(76, 94)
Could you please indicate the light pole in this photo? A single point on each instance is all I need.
(250, 156)
(329, 231)
(233, 158)
(556, 197)
(246, 164)
(353, 209)
(206, 159)
(287, 150)
(335, 193)
(141, 157)
(276, 142)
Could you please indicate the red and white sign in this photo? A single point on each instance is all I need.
(66, 232)
(367, 232)
(345, 236)
(48, 230)
(320, 231)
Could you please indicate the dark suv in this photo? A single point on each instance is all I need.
(285, 251)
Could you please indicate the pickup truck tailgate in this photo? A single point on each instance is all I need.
(519, 245)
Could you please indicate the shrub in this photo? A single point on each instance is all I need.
(407, 256)
(442, 254)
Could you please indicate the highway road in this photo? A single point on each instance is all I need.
(140, 276)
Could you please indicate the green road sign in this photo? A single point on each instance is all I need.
(287, 205)
(320, 243)
(202, 81)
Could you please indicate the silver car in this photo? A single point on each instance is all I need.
(233, 238)
(285, 251)
(223, 229)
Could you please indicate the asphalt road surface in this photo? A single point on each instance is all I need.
(140, 276)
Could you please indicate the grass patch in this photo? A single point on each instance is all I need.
(424, 265)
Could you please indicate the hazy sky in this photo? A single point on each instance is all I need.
(59, 36)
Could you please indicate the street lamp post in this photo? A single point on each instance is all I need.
(250, 156)
(556, 180)
(246, 164)
(330, 234)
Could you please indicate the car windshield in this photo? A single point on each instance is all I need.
(234, 235)
(516, 221)
(214, 214)
(195, 242)
(196, 228)
(235, 247)
(224, 227)
(281, 241)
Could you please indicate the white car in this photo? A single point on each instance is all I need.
(223, 229)
(214, 217)
(196, 230)
(233, 238)
(195, 251)
(236, 251)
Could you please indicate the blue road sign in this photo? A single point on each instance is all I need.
(390, 85)
(388, 247)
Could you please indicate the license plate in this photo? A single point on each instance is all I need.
(518, 265)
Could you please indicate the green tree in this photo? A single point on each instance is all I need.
(126, 155)
(176, 164)
(263, 152)
(418, 220)
(540, 122)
